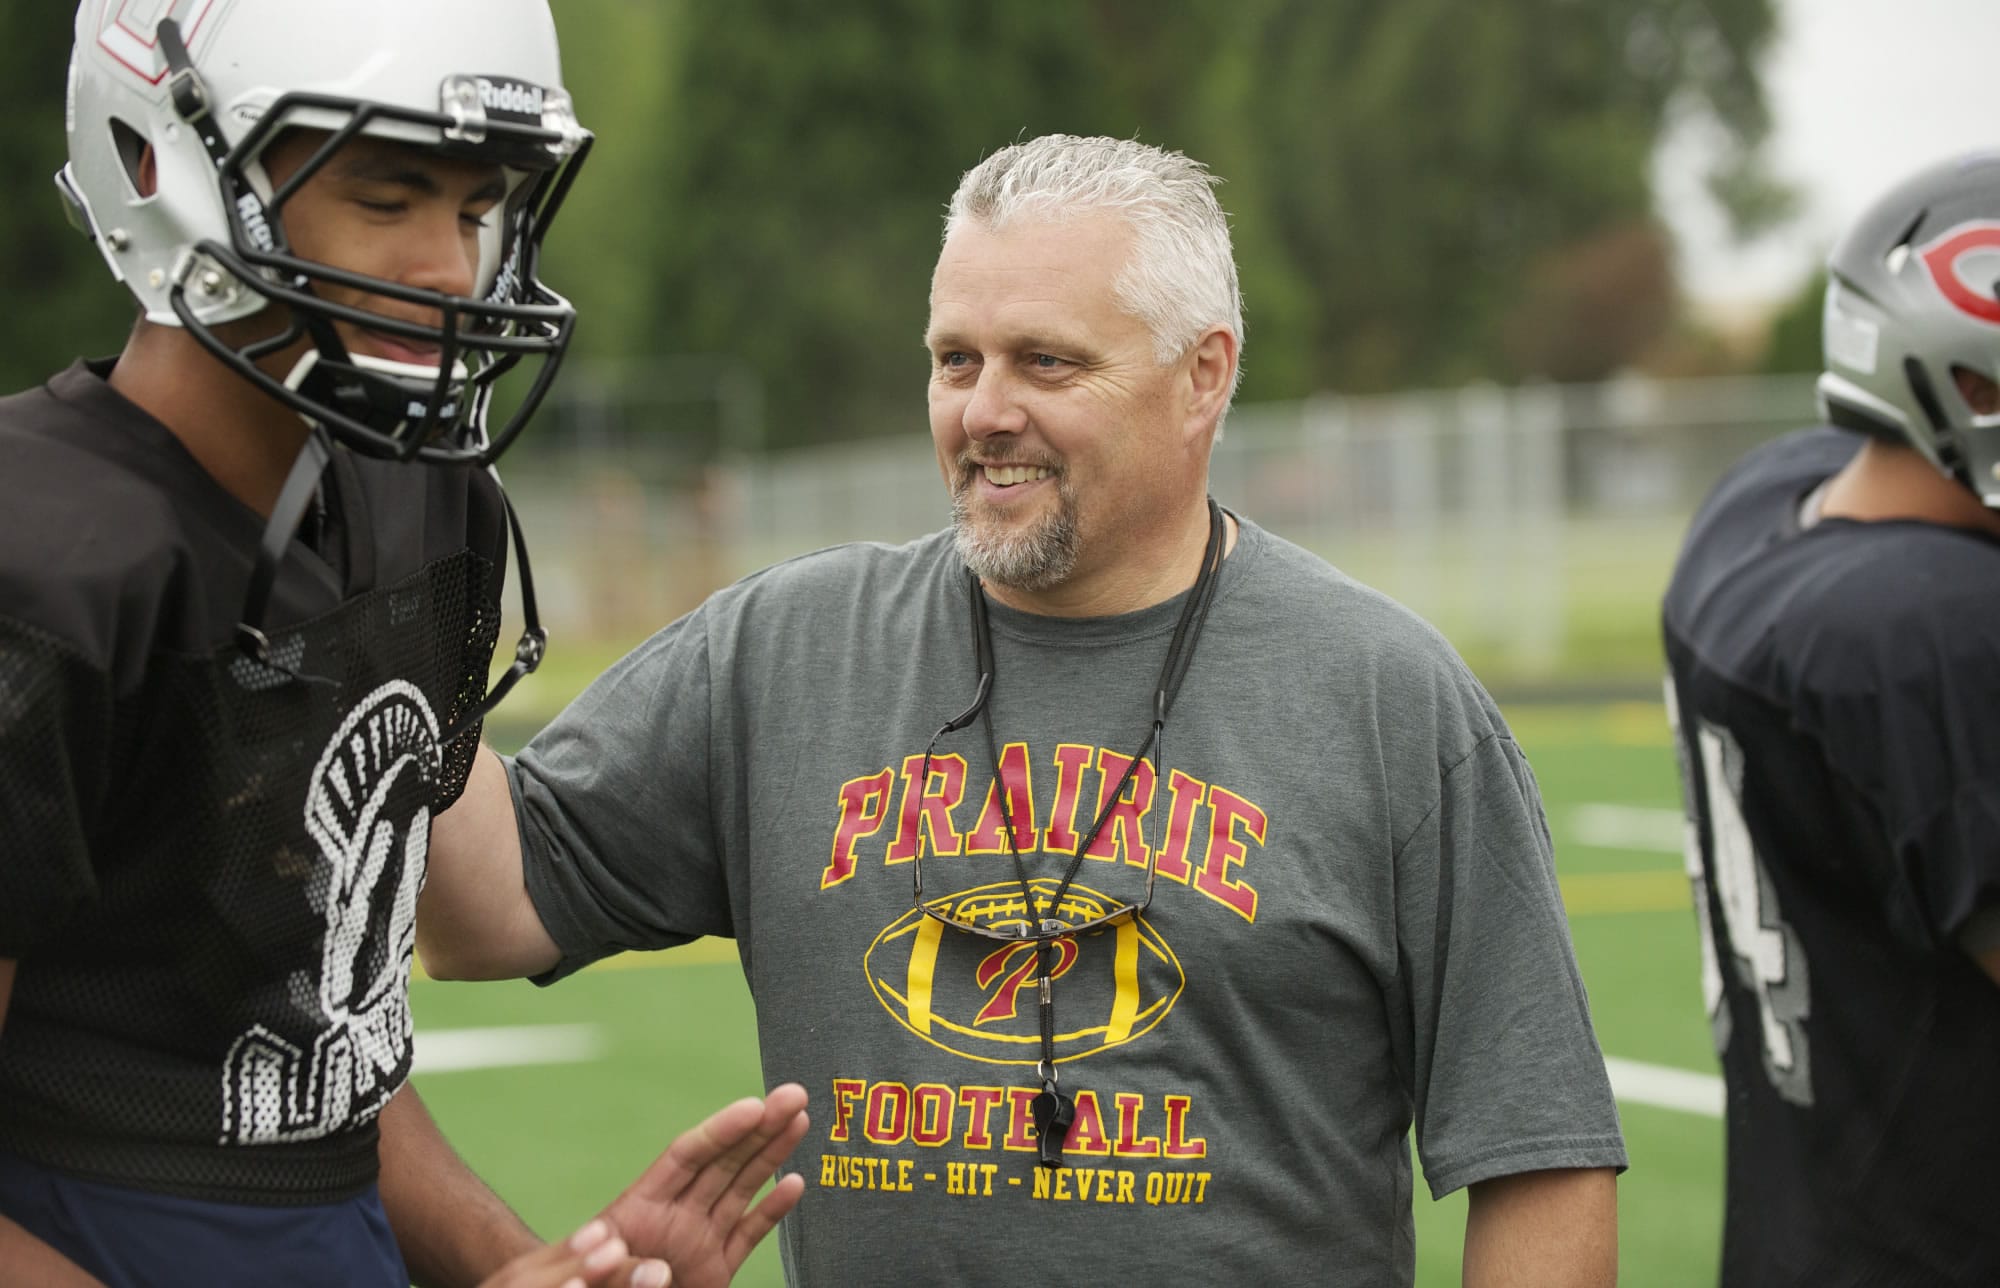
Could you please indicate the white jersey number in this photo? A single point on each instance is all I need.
(1765, 954)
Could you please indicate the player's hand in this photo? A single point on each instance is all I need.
(593, 1255)
(693, 1207)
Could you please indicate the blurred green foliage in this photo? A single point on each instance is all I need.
(1424, 192)
(61, 301)
(1794, 343)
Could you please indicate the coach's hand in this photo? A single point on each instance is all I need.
(693, 1206)
(593, 1255)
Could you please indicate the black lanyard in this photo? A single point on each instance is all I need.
(1053, 1111)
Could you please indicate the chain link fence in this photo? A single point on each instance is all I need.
(1535, 526)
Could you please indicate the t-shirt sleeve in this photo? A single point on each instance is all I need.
(1508, 1076)
(55, 715)
(614, 805)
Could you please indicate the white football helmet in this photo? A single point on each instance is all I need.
(1913, 293)
(208, 85)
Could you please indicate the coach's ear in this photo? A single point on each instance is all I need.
(1210, 374)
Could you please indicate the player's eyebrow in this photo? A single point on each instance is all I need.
(402, 171)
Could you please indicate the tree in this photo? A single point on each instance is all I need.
(1794, 340)
(62, 301)
(812, 149)
(1424, 192)
(620, 70)
(1430, 171)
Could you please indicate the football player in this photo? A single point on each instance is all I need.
(1833, 642)
(248, 599)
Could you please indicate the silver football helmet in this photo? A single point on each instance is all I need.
(1912, 306)
(209, 85)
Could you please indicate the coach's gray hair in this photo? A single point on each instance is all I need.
(1181, 278)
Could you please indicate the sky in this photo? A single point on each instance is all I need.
(1863, 93)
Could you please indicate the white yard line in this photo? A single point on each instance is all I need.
(453, 1050)
(1627, 827)
(456, 1050)
(1664, 1088)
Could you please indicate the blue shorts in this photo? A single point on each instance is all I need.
(134, 1239)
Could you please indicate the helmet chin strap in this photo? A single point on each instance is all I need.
(301, 485)
(378, 391)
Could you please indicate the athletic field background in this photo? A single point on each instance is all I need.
(560, 1096)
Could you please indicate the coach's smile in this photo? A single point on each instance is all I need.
(1005, 483)
(1009, 475)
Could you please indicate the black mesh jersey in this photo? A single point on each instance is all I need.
(208, 867)
(1836, 691)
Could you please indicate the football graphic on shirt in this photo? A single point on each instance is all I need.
(979, 997)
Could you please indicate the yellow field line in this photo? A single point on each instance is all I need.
(1585, 895)
(1623, 724)
(1596, 893)
(702, 952)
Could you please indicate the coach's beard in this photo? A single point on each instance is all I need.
(1041, 557)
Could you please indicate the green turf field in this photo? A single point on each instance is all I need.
(678, 1038)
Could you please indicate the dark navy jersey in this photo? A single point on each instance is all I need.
(208, 865)
(130, 1238)
(1836, 691)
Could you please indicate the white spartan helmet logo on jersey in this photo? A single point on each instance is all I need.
(366, 886)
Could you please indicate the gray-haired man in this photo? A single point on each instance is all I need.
(1121, 879)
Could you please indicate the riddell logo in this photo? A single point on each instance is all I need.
(250, 209)
(511, 97)
(507, 282)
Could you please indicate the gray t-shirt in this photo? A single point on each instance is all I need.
(1356, 924)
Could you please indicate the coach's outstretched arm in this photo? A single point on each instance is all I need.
(1546, 1229)
(474, 919)
(697, 1206)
